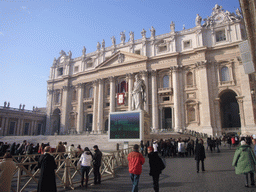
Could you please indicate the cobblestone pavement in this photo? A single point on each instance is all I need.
(180, 175)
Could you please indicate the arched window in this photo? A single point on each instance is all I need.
(123, 87)
(91, 92)
(190, 79)
(225, 74)
(165, 81)
(191, 114)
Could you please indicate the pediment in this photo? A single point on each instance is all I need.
(121, 58)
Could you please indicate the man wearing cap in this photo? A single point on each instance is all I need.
(96, 164)
(136, 160)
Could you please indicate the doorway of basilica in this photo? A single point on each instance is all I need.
(89, 122)
(56, 121)
(229, 110)
(167, 118)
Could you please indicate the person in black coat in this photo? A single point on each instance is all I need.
(156, 166)
(47, 180)
(200, 155)
(96, 159)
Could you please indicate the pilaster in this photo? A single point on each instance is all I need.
(6, 127)
(100, 106)
(2, 126)
(64, 113)
(130, 87)
(218, 116)
(176, 99)
(80, 92)
(155, 117)
(95, 92)
(112, 93)
(145, 78)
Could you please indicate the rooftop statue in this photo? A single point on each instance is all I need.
(138, 94)
(122, 37)
(103, 43)
(84, 51)
(153, 31)
(98, 46)
(62, 53)
(70, 54)
(143, 33)
(172, 26)
(198, 20)
(113, 40)
(131, 36)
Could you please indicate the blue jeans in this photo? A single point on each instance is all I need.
(135, 181)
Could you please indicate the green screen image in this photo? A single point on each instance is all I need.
(125, 126)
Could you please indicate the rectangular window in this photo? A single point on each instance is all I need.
(220, 36)
(60, 71)
(89, 65)
(187, 44)
(76, 69)
(162, 48)
(137, 52)
(166, 98)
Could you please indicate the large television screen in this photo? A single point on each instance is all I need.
(124, 126)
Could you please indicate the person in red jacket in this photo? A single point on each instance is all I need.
(136, 160)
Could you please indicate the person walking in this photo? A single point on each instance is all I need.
(96, 164)
(156, 166)
(7, 167)
(47, 180)
(136, 160)
(200, 155)
(244, 162)
(86, 160)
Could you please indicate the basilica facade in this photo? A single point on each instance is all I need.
(194, 80)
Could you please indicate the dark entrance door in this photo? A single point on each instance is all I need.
(89, 122)
(168, 118)
(229, 109)
(56, 121)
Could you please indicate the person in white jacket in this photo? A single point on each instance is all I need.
(7, 167)
(85, 161)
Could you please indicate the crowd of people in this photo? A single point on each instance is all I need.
(244, 159)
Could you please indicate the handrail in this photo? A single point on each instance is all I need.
(67, 173)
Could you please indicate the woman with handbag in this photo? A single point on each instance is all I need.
(85, 162)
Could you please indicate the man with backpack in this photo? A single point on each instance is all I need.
(156, 165)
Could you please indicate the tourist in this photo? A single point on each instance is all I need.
(71, 151)
(244, 162)
(47, 180)
(79, 151)
(136, 160)
(97, 156)
(142, 147)
(155, 145)
(60, 147)
(200, 155)
(41, 149)
(85, 162)
(254, 143)
(156, 166)
(7, 167)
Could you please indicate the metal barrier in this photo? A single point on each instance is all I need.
(67, 173)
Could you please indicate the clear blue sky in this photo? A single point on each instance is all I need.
(33, 32)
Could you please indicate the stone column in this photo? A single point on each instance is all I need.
(218, 116)
(112, 94)
(95, 92)
(2, 126)
(176, 99)
(100, 107)
(155, 117)
(18, 127)
(130, 87)
(22, 127)
(49, 111)
(161, 119)
(145, 78)
(241, 111)
(64, 112)
(80, 109)
(6, 128)
(35, 128)
(204, 99)
(31, 128)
